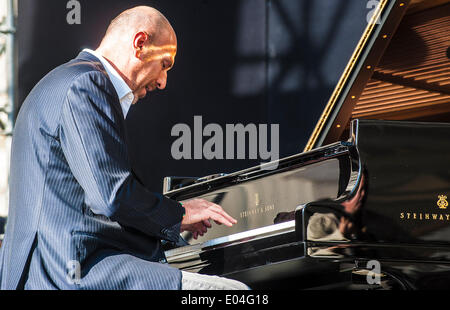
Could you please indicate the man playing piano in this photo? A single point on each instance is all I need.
(79, 218)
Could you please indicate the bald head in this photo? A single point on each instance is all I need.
(140, 18)
(141, 45)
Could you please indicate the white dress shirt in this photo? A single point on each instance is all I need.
(126, 96)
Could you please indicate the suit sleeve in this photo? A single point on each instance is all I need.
(93, 141)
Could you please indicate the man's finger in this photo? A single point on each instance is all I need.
(207, 223)
(221, 211)
(221, 219)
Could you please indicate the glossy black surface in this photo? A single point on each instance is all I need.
(405, 177)
(260, 198)
(398, 213)
(393, 189)
(408, 169)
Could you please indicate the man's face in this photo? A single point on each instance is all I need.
(157, 58)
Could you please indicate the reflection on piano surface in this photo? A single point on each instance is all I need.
(363, 190)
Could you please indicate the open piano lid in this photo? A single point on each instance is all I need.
(400, 70)
(266, 250)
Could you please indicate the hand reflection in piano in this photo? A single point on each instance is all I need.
(198, 214)
(328, 226)
(351, 207)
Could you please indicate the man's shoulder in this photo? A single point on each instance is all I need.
(76, 72)
(52, 91)
(77, 67)
(88, 78)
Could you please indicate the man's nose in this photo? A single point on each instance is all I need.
(162, 81)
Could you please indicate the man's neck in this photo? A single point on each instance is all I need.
(115, 63)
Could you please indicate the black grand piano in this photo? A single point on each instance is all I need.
(365, 206)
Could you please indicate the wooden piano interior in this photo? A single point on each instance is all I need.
(412, 78)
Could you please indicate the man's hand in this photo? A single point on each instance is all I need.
(198, 214)
(353, 205)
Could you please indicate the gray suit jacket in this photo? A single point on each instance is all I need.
(78, 217)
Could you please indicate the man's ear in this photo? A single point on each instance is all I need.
(139, 42)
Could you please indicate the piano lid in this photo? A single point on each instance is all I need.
(400, 70)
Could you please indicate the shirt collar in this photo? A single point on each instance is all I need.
(123, 91)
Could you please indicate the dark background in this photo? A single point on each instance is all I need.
(238, 61)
